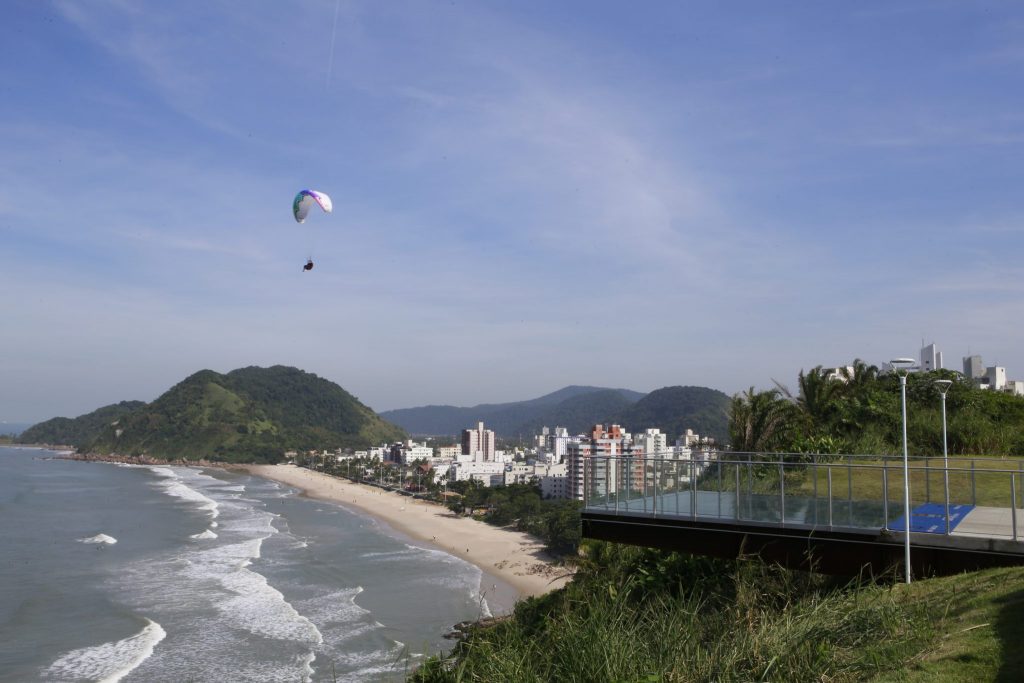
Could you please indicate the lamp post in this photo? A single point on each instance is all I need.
(943, 386)
(901, 366)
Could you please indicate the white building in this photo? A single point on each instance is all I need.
(487, 473)
(553, 480)
(405, 453)
(995, 377)
(653, 443)
(448, 452)
(478, 443)
(931, 358)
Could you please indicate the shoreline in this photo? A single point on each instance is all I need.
(514, 564)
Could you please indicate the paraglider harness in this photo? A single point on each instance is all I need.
(309, 265)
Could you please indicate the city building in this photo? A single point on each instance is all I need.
(931, 358)
(478, 443)
(653, 443)
(973, 367)
(449, 452)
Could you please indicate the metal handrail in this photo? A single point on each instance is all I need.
(647, 484)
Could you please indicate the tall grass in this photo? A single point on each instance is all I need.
(641, 615)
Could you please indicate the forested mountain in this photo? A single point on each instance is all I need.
(506, 419)
(672, 409)
(251, 414)
(80, 430)
(676, 409)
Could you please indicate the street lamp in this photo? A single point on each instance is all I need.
(943, 386)
(901, 366)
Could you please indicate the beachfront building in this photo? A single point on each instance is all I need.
(604, 474)
(487, 473)
(553, 480)
(478, 443)
(407, 451)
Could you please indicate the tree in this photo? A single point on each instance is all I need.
(760, 421)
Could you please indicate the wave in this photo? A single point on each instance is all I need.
(107, 663)
(99, 538)
(173, 485)
(205, 535)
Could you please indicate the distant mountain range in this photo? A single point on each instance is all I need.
(577, 408)
(250, 414)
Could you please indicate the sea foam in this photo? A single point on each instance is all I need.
(107, 663)
(205, 535)
(99, 538)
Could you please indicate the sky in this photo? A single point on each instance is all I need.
(527, 194)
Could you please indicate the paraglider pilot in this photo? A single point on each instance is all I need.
(309, 265)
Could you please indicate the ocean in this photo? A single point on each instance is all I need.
(134, 573)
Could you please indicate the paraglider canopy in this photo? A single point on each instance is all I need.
(305, 200)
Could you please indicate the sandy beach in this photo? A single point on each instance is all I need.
(514, 563)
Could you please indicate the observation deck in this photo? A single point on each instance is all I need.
(838, 514)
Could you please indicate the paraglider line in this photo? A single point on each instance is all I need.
(334, 34)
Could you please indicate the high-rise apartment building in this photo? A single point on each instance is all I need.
(478, 443)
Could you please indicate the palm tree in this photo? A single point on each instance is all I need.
(759, 420)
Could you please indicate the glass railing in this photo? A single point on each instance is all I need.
(961, 496)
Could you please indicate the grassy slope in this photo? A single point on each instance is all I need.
(671, 618)
(980, 623)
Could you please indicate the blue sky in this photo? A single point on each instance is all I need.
(527, 194)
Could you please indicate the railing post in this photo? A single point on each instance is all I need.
(718, 466)
(814, 473)
(643, 475)
(849, 489)
(945, 495)
(675, 468)
(736, 498)
(586, 492)
(629, 478)
(927, 481)
(655, 505)
(607, 479)
(1013, 503)
(782, 493)
(693, 490)
(829, 473)
(974, 490)
(885, 495)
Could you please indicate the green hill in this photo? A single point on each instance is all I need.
(506, 419)
(77, 431)
(676, 409)
(248, 414)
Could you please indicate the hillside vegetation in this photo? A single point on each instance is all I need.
(643, 615)
(78, 431)
(506, 419)
(250, 414)
(861, 414)
(671, 409)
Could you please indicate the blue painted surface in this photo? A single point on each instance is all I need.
(930, 518)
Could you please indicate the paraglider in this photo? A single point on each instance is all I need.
(305, 200)
(301, 205)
